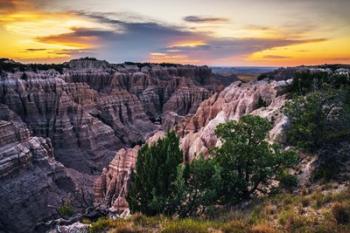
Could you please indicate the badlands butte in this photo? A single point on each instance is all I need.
(70, 132)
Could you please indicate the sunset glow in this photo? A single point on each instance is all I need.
(234, 33)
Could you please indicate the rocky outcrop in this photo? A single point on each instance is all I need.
(196, 132)
(76, 227)
(61, 124)
(261, 98)
(90, 109)
(33, 183)
(111, 187)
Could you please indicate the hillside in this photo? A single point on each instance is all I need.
(61, 124)
(71, 134)
(311, 204)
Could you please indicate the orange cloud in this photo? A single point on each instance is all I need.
(191, 43)
(35, 35)
(30, 33)
(335, 50)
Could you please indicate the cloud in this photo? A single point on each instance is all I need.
(144, 40)
(132, 41)
(216, 48)
(258, 27)
(7, 5)
(79, 37)
(35, 50)
(74, 52)
(204, 19)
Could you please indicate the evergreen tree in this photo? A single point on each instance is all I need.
(152, 187)
(320, 118)
(247, 160)
(198, 182)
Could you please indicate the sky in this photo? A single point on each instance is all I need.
(202, 32)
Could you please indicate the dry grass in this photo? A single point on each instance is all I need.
(263, 228)
(312, 212)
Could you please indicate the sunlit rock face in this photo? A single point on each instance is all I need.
(262, 98)
(111, 187)
(197, 132)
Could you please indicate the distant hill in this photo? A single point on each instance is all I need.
(244, 73)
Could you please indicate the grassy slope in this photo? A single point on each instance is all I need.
(326, 209)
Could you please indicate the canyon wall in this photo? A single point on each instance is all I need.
(33, 183)
(94, 108)
(197, 132)
(60, 125)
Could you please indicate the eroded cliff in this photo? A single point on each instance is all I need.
(197, 132)
(62, 124)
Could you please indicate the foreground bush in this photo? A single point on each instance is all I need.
(318, 119)
(244, 164)
(152, 189)
(247, 160)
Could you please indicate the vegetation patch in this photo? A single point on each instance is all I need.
(66, 209)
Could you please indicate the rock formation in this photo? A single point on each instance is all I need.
(33, 183)
(92, 108)
(60, 124)
(263, 98)
(111, 186)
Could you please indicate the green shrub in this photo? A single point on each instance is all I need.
(152, 187)
(66, 209)
(244, 163)
(318, 119)
(305, 82)
(246, 159)
(201, 179)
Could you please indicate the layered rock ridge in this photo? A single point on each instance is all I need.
(92, 108)
(60, 125)
(264, 98)
(33, 183)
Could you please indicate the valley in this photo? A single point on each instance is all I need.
(70, 135)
